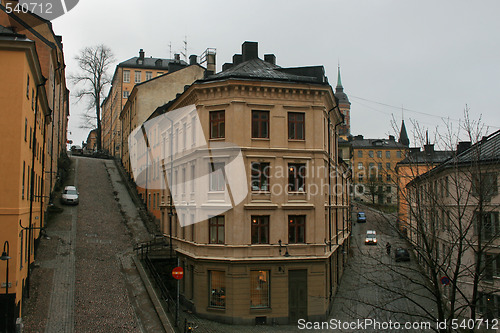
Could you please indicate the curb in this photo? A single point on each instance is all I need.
(154, 297)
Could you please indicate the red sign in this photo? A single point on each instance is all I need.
(178, 273)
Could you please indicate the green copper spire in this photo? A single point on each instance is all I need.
(339, 80)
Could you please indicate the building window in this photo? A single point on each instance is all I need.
(259, 289)
(216, 230)
(149, 75)
(296, 177)
(296, 126)
(491, 264)
(485, 185)
(217, 297)
(159, 73)
(126, 94)
(388, 177)
(193, 177)
(398, 154)
(360, 165)
(260, 124)
(370, 153)
(379, 154)
(360, 177)
(32, 99)
(389, 200)
(28, 88)
(296, 229)
(379, 166)
(388, 166)
(216, 179)
(193, 130)
(25, 129)
(137, 77)
(360, 153)
(388, 154)
(388, 189)
(260, 176)
(488, 224)
(217, 124)
(260, 229)
(489, 305)
(126, 76)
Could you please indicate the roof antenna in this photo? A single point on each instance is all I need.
(170, 49)
(427, 137)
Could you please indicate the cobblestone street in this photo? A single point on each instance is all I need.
(84, 278)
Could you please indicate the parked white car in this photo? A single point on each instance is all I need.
(70, 196)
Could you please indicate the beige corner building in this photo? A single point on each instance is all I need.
(277, 253)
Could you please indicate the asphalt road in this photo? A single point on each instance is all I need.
(375, 287)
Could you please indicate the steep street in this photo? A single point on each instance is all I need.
(85, 279)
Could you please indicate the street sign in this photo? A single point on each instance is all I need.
(445, 280)
(178, 273)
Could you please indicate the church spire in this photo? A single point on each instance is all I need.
(403, 136)
(339, 80)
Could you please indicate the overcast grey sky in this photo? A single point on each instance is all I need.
(429, 57)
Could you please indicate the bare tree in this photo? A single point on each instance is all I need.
(94, 63)
(449, 207)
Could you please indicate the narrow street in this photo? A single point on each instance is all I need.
(373, 281)
(85, 279)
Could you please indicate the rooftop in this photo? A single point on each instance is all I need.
(249, 66)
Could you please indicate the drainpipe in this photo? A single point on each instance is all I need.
(32, 185)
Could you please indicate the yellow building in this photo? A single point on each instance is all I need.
(277, 255)
(373, 164)
(416, 163)
(127, 74)
(25, 122)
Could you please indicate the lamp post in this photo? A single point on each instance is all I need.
(5, 256)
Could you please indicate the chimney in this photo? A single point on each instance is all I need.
(249, 50)
(211, 62)
(270, 58)
(414, 150)
(141, 54)
(177, 57)
(226, 66)
(429, 149)
(193, 59)
(237, 59)
(463, 146)
(391, 138)
(358, 137)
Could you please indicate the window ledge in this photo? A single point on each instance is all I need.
(297, 140)
(215, 309)
(260, 310)
(261, 139)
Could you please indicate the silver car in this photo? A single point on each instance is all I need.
(69, 195)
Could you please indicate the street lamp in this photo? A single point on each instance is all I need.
(5, 256)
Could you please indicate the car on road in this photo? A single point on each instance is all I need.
(361, 217)
(371, 237)
(69, 196)
(401, 254)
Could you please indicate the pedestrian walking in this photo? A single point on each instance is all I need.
(388, 248)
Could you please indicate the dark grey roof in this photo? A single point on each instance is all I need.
(148, 63)
(262, 70)
(341, 95)
(376, 143)
(427, 157)
(8, 34)
(485, 151)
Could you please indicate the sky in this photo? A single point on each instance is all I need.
(421, 60)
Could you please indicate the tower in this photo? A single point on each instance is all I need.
(345, 108)
(403, 136)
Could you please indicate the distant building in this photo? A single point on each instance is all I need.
(345, 108)
(279, 254)
(127, 74)
(416, 163)
(373, 164)
(91, 143)
(144, 99)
